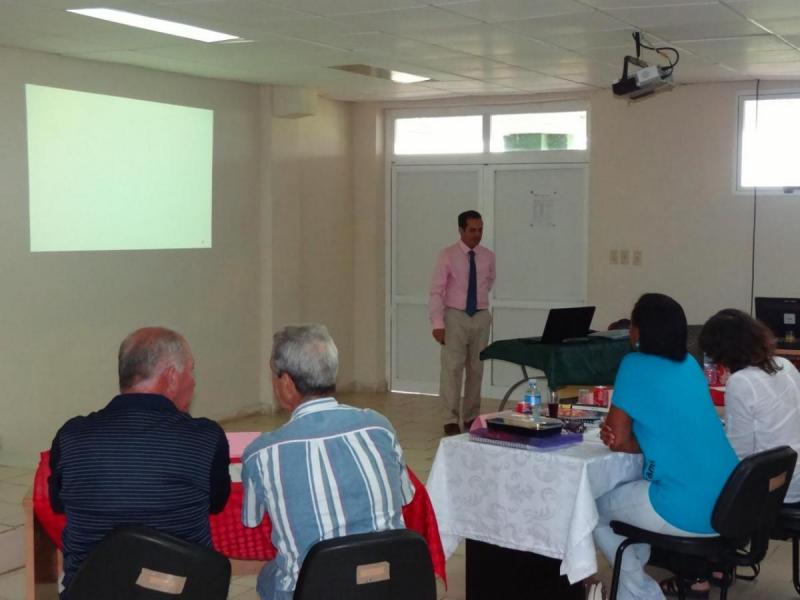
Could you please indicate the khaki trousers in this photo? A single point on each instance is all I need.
(464, 338)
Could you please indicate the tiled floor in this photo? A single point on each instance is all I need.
(415, 418)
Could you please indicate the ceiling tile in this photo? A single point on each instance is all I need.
(592, 39)
(766, 9)
(552, 84)
(604, 4)
(735, 46)
(471, 87)
(275, 52)
(708, 73)
(483, 40)
(341, 7)
(477, 67)
(779, 70)
(406, 20)
(655, 17)
(698, 31)
(784, 27)
(759, 58)
(578, 23)
(383, 42)
(492, 11)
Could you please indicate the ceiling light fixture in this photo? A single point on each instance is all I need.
(400, 77)
(370, 71)
(152, 24)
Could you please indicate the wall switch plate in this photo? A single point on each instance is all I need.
(637, 258)
(613, 257)
(624, 257)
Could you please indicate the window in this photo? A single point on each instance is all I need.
(439, 135)
(769, 129)
(538, 131)
(496, 130)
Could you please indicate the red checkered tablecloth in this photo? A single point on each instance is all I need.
(233, 539)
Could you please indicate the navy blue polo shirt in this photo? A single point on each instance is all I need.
(138, 461)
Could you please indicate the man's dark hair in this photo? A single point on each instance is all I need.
(466, 216)
(736, 340)
(662, 326)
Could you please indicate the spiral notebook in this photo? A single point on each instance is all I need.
(482, 435)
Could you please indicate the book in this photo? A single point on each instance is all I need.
(592, 408)
(482, 435)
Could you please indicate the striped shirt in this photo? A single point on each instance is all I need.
(332, 470)
(137, 461)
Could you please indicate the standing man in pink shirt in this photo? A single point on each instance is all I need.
(458, 308)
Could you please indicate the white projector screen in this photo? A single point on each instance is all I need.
(112, 173)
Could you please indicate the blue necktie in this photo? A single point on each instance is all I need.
(472, 286)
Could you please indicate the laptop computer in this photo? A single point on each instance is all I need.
(566, 323)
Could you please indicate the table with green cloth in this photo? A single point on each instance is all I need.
(589, 361)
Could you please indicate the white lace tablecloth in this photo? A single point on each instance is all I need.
(542, 502)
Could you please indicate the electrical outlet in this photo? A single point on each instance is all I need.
(613, 257)
(624, 257)
(637, 258)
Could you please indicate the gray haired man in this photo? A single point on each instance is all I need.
(332, 470)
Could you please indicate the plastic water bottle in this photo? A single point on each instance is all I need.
(710, 370)
(533, 398)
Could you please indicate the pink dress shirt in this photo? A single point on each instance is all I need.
(451, 278)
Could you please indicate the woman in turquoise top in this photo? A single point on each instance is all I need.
(661, 409)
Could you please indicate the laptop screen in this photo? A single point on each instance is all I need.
(564, 323)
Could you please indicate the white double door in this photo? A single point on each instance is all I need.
(535, 219)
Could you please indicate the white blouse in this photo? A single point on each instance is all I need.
(762, 411)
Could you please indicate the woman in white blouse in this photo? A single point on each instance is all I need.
(762, 394)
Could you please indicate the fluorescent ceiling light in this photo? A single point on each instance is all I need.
(152, 24)
(400, 77)
(370, 71)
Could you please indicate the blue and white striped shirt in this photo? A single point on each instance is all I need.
(332, 470)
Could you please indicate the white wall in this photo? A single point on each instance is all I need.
(313, 225)
(63, 315)
(662, 179)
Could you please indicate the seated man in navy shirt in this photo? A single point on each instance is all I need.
(141, 460)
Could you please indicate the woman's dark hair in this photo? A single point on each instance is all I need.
(662, 326)
(736, 340)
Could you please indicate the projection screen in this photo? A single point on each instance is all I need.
(113, 173)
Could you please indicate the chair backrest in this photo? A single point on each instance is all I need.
(753, 494)
(383, 565)
(140, 563)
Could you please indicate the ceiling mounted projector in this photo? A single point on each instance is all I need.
(648, 78)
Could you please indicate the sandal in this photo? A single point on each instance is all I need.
(717, 576)
(670, 588)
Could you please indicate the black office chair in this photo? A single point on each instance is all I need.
(385, 565)
(139, 563)
(787, 527)
(743, 516)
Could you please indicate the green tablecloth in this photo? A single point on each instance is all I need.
(587, 362)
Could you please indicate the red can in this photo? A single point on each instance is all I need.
(523, 408)
(600, 395)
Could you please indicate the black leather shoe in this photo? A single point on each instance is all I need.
(451, 429)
